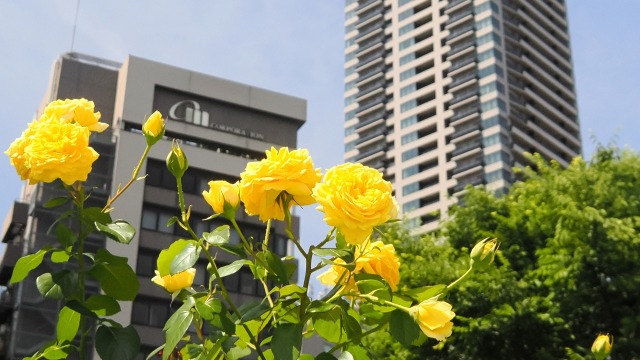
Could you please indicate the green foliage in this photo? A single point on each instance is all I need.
(567, 268)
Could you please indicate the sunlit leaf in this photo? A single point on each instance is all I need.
(25, 265)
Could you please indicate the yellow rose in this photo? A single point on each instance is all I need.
(376, 258)
(434, 318)
(222, 193)
(50, 150)
(283, 174)
(355, 199)
(602, 346)
(179, 281)
(153, 128)
(79, 111)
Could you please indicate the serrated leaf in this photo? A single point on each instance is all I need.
(218, 236)
(25, 265)
(276, 267)
(208, 308)
(177, 326)
(119, 230)
(55, 202)
(59, 256)
(66, 236)
(251, 310)
(167, 255)
(185, 259)
(232, 268)
(57, 285)
(115, 276)
(117, 343)
(426, 292)
(68, 324)
(102, 305)
(403, 327)
(287, 341)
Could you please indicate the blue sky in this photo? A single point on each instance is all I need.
(289, 46)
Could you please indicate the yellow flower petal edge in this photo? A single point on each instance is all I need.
(434, 318)
(375, 258)
(282, 173)
(355, 198)
(80, 111)
(179, 281)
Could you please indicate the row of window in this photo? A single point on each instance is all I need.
(488, 54)
(491, 87)
(498, 138)
(492, 104)
(486, 6)
(492, 36)
(491, 69)
(194, 181)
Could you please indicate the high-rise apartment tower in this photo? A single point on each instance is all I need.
(444, 94)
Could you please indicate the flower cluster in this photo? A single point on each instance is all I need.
(374, 258)
(56, 146)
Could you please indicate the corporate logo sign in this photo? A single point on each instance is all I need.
(191, 112)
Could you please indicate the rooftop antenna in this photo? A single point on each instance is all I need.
(75, 22)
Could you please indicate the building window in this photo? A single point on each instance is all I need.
(491, 69)
(409, 154)
(350, 115)
(350, 56)
(407, 74)
(412, 170)
(350, 130)
(497, 175)
(349, 100)
(493, 121)
(486, 6)
(407, 43)
(491, 87)
(408, 121)
(194, 180)
(349, 146)
(148, 311)
(488, 54)
(495, 157)
(492, 36)
(407, 58)
(405, 14)
(408, 105)
(410, 206)
(492, 104)
(405, 29)
(411, 188)
(409, 138)
(350, 85)
(407, 90)
(489, 21)
(495, 139)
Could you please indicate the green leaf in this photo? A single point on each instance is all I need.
(425, 292)
(55, 202)
(287, 341)
(327, 325)
(185, 259)
(223, 322)
(337, 253)
(232, 268)
(319, 306)
(119, 230)
(102, 305)
(276, 267)
(218, 236)
(356, 352)
(375, 288)
(95, 214)
(68, 324)
(325, 356)
(165, 259)
(208, 308)
(292, 290)
(114, 343)
(346, 355)
(25, 265)
(59, 256)
(57, 285)
(237, 250)
(177, 326)
(53, 351)
(66, 236)
(403, 327)
(115, 276)
(251, 310)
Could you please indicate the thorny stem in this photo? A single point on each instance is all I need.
(134, 177)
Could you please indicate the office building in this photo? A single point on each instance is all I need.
(221, 125)
(443, 94)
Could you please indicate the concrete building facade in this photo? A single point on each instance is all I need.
(441, 94)
(221, 125)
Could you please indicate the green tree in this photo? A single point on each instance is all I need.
(567, 269)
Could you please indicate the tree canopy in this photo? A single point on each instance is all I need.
(568, 266)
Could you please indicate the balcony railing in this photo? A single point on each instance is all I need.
(466, 146)
(465, 112)
(461, 46)
(463, 78)
(455, 17)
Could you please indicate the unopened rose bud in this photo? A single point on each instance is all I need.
(483, 253)
(177, 162)
(223, 197)
(153, 128)
(602, 346)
